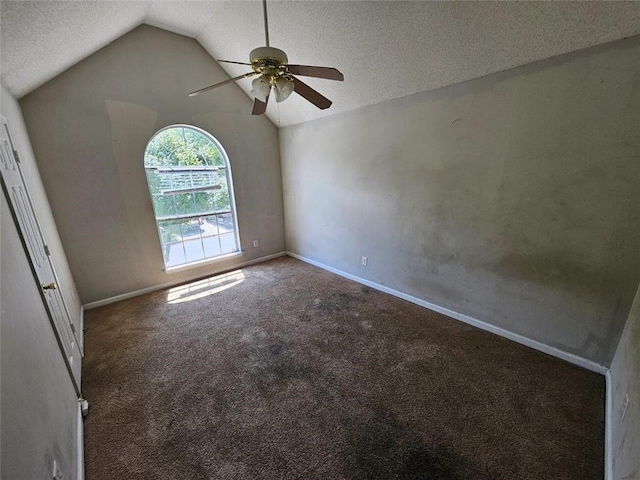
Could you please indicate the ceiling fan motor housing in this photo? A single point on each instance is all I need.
(267, 57)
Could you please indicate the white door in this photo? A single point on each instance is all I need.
(24, 215)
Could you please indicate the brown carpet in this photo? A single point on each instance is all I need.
(285, 371)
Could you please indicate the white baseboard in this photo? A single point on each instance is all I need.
(154, 288)
(80, 443)
(553, 351)
(608, 428)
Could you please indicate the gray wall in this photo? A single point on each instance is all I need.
(38, 404)
(512, 198)
(625, 379)
(89, 128)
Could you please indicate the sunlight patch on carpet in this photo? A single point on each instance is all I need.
(204, 288)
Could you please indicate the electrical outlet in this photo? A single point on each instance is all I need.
(625, 406)
(255, 243)
(57, 473)
(365, 261)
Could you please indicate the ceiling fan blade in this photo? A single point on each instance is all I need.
(211, 87)
(231, 61)
(259, 107)
(310, 94)
(329, 73)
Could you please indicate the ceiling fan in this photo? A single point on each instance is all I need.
(276, 72)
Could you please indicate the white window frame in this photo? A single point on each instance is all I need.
(232, 204)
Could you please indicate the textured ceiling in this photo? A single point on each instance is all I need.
(386, 49)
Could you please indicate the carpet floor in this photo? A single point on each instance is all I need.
(284, 371)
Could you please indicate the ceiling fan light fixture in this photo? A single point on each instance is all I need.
(261, 88)
(283, 88)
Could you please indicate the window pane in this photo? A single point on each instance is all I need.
(184, 204)
(221, 199)
(225, 223)
(210, 237)
(227, 236)
(205, 202)
(193, 248)
(171, 239)
(169, 231)
(153, 179)
(209, 225)
(205, 149)
(163, 206)
(228, 243)
(173, 254)
(190, 229)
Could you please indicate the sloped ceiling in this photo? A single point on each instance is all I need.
(386, 49)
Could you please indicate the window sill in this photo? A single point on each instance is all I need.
(201, 263)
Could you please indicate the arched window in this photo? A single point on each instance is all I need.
(190, 184)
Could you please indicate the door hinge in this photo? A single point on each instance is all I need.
(15, 154)
(73, 328)
(46, 250)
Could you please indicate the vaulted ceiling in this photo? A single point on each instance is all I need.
(386, 49)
